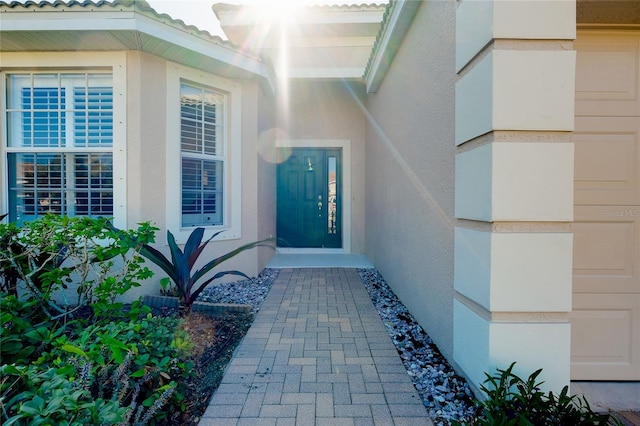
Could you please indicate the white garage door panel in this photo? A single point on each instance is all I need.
(605, 342)
(607, 75)
(607, 160)
(606, 255)
(596, 352)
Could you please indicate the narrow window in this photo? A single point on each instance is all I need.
(202, 155)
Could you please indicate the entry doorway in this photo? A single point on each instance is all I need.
(309, 199)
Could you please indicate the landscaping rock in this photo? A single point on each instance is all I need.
(446, 395)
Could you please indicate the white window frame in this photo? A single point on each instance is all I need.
(232, 152)
(70, 62)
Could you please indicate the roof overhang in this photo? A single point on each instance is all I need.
(323, 42)
(124, 25)
(395, 26)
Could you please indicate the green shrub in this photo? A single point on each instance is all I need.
(64, 365)
(153, 349)
(120, 372)
(517, 402)
(15, 323)
(156, 342)
(50, 396)
(43, 257)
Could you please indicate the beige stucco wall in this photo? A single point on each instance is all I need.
(146, 135)
(410, 172)
(258, 175)
(329, 111)
(147, 174)
(266, 178)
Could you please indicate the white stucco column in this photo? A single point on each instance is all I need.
(514, 187)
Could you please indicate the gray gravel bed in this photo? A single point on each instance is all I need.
(245, 292)
(446, 395)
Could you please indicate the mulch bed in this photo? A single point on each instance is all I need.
(215, 339)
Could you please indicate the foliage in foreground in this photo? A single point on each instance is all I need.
(86, 362)
(42, 259)
(514, 401)
(118, 372)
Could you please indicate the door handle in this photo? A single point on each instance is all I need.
(319, 202)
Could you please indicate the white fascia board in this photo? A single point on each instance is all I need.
(198, 45)
(66, 21)
(328, 73)
(306, 17)
(398, 25)
(131, 21)
(208, 48)
(351, 17)
(337, 41)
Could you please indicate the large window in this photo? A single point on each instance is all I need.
(202, 155)
(59, 144)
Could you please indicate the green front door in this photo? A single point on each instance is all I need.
(309, 199)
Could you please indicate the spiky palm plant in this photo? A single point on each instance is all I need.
(179, 268)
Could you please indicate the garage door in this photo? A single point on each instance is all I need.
(606, 276)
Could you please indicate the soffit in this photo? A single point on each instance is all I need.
(122, 25)
(323, 42)
(239, 23)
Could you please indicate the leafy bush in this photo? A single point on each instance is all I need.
(514, 401)
(16, 344)
(112, 373)
(64, 365)
(49, 396)
(48, 254)
(179, 268)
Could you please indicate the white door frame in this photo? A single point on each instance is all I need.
(345, 145)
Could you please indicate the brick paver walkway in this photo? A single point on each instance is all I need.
(316, 354)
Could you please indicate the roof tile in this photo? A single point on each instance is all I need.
(138, 5)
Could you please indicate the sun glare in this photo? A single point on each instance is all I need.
(278, 12)
(276, 20)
